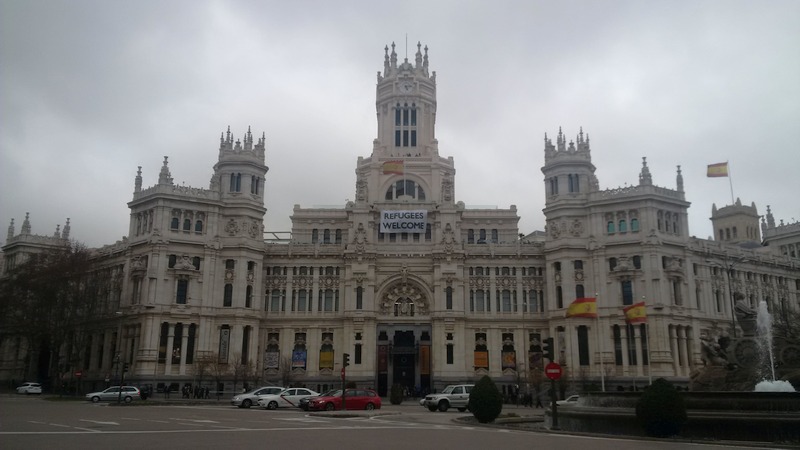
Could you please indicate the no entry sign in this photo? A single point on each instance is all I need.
(553, 371)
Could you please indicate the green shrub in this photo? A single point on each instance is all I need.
(485, 400)
(661, 410)
(396, 395)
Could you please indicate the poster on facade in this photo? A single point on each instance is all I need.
(535, 360)
(224, 344)
(509, 360)
(481, 359)
(424, 359)
(404, 221)
(326, 359)
(272, 360)
(299, 359)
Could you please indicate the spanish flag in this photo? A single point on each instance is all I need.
(583, 307)
(393, 167)
(635, 313)
(717, 170)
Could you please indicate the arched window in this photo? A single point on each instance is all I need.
(187, 224)
(405, 190)
(634, 225)
(326, 236)
(623, 227)
(470, 236)
(198, 226)
(175, 224)
(610, 226)
(579, 293)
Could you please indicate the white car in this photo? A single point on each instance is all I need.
(30, 388)
(571, 400)
(250, 398)
(288, 398)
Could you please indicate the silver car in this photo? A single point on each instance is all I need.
(128, 394)
(251, 398)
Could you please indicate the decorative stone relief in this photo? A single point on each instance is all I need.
(576, 228)
(232, 228)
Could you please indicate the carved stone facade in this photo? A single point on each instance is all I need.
(467, 296)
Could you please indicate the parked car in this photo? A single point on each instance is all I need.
(571, 400)
(354, 399)
(129, 394)
(288, 398)
(303, 403)
(30, 387)
(250, 398)
(453, 396)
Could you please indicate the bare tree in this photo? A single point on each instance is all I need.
(217, 370)
(285, 371)
(54, 301)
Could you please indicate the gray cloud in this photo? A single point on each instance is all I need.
(89, 90)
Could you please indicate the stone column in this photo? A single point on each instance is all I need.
(637, 336)
(184, 347)
(168, 359)
(673, 348)
(684, 362)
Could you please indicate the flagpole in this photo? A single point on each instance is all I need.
(730, 180)
(649, 356)
(600, 349)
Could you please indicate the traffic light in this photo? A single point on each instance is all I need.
(125, 367)
(345, 359)
(547, 349)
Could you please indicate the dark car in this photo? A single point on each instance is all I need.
(303, 403)
(354, 399)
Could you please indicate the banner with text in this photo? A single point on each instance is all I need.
(404, 221)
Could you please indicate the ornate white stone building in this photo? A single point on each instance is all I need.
(460, 295)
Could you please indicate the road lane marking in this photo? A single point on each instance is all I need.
(98, 422)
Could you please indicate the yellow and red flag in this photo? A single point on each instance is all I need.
(393, 167)
(717, 170)
(635, 313)
(583, 307)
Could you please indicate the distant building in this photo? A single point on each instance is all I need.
(418, 288)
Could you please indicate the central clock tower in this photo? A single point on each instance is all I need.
(406, 106)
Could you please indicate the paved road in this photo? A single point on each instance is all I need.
(35, 423)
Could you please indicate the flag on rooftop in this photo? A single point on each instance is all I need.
(635, 313)
(718, 170)
(390, 167)
(583, 307)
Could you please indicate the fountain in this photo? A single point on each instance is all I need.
(743, 390)
(768, 382)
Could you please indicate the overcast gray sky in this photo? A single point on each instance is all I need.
(89, 90)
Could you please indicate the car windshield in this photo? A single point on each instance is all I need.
(335, 393)
(448, 390)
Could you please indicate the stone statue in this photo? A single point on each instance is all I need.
(711, 352)
(746, 316)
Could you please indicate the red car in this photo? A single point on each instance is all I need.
(354, 399)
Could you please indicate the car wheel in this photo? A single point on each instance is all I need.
(247, 403)
(462, 409)
(432, 408)
(128, 399)
(443, 406)
(370, 406)
(272, 405)
(329, 407)
(95, 399)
